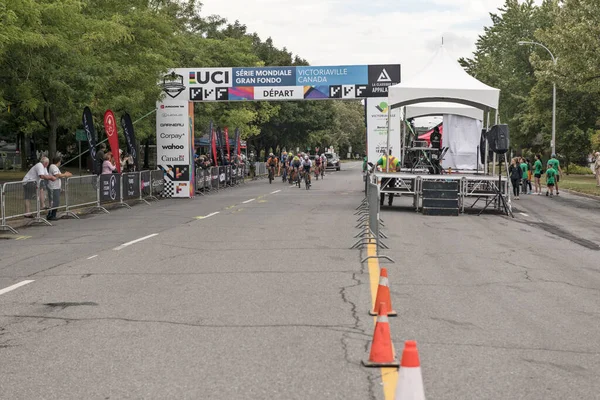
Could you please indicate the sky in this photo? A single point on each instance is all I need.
(348, 32)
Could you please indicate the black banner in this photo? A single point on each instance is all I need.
(131, 186)
(90, 132)
(220, 141)
(110, 187)
(130, 138)
(237, 143)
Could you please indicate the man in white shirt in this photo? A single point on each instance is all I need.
(55, 186)
(32, 180)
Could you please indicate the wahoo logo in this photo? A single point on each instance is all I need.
(173, 147)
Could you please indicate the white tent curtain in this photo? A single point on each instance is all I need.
(461, 136)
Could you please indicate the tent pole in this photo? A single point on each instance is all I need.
(494, 167)
(387, 151)
(403, 140)
(487, 145)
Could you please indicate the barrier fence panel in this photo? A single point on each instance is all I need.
(22, 199)
(146, 187)
(158, 183)
(4, 212)
(222, 179)
(234, 174)
(228, 175)
(83, 192)
(57, 199)
(131, 184)
(214, 178)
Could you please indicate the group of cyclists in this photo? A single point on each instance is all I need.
(296, 168)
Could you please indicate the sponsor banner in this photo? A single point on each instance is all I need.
(227, 143)
(172, 133)
(376, 118)
(131, 186)
(243, 84)
(381, 77)
(264, 76)
(110, 126)
(336, 75)
(130, 138)
(110, 187)
(90, 133)
(279, 93)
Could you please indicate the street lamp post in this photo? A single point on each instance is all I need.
(554, 59)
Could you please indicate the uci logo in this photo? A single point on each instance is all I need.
(213, 77)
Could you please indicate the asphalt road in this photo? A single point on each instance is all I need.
(264, 300)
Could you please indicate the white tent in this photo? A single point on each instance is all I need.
(439, 109)
(444, 80)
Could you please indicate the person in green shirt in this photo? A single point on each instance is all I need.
(537, 174)
(525, 176)
(556, 166)
(394, 166)
(551, 175)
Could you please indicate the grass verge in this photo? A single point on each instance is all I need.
(580, 183)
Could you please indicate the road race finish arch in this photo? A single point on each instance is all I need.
(185, 86)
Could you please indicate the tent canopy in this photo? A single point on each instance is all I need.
(439, 109)
(444, 80)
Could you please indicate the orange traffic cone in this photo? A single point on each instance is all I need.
(410, 380)
(383, 295)
(382, 350)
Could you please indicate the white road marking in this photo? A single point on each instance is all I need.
(94, 256)
(134, 241)
(15, 286)
(277, 191)
(523, 214)
(248, 201)
(212, 215)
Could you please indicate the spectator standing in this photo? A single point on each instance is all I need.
(537, 174)
(557, 169)
(525, 174)
(551, 175)
(515, 176)
(107, 166)
(54, 187)
(31, 180)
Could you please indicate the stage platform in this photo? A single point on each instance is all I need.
(471, 186)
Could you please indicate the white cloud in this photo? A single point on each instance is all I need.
(336, 32)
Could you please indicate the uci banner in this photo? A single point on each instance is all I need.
(110, 126)
(90, 132)
(127, 126)
(281, 83)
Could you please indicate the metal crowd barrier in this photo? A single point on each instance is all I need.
(157, 183)
(146, 186)
(20, 199)
(83, 192)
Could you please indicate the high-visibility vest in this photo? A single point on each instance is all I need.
(393, 162)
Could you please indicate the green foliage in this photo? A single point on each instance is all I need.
(525, 74)
(579, 170)
(58, 56)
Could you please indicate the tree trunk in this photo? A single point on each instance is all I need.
(52, 133)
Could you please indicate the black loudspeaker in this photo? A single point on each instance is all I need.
(499, 139)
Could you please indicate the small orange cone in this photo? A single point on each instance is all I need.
(383, 294)
(410, 380)
(382, 350)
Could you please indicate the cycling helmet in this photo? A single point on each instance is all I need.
(270, 154)
(306, 158)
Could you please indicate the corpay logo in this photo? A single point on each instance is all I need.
(171, 135)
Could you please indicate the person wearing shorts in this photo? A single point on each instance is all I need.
(31, 181)
(551, 175)
(556, 166)
(537, 174)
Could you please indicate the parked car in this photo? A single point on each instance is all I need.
(333, 161)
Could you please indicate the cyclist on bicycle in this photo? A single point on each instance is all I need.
(271, 164)
(317, 166)
(295, 166)
(306, 166)
(324, 161)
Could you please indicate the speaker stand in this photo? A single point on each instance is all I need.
(498, 197)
